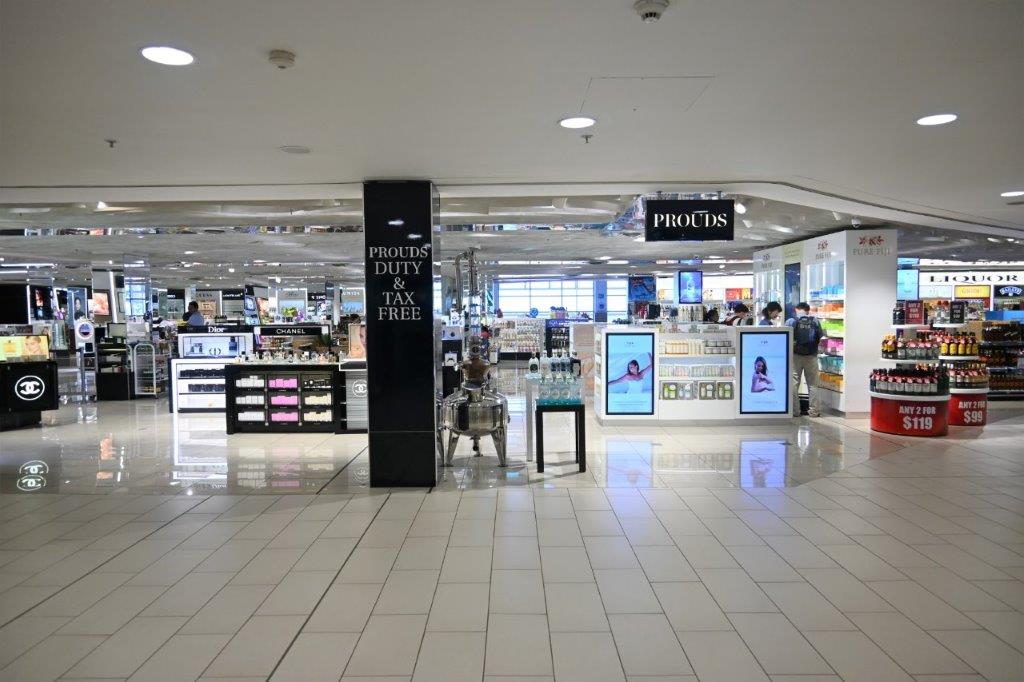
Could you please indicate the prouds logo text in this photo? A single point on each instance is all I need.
(29, 387)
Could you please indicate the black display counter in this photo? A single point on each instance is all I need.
(26, 390)
(295, 398)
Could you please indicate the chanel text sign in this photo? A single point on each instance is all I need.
(673, 220)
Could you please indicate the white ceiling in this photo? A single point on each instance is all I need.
(795, 93)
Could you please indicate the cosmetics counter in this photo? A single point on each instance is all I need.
(197, 374)
(697, 373)
(519, 337)
(28, 380)
(296, 398)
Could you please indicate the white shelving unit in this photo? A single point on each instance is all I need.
(851, 277)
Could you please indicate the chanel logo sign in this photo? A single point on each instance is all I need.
(29, 387)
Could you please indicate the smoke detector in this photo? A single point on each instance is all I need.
(650, 11)
(282, 59)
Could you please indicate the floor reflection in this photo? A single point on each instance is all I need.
(140, 446)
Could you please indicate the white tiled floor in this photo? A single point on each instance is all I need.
(874, 558)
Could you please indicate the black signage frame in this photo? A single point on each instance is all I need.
(689, 220)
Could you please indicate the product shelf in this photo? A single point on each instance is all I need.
(958, 358)
(968, 391)
(948, 325)
(911, 397)
(908, 361)
(911, 326)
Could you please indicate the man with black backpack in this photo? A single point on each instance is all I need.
(807, 332)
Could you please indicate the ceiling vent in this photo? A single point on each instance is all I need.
(650, 11)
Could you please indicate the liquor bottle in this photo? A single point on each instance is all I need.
(545, 365)
(534, 364)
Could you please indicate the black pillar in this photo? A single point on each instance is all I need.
(401, 341)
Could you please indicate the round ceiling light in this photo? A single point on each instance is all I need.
(936, 119)
(294, 149)
(577, 122)
(168, 56)
(1013, 193)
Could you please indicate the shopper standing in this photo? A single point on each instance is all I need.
(769, 314)
(807, 332)
(193, 317)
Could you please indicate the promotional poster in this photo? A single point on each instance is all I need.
(690, 285)
(78, 302)
(643, 289)
(764, 373)
(629, 374)
(791, 294)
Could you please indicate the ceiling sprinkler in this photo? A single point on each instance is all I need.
(650, 11)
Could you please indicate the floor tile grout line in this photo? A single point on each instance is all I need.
(226, 584)
(298, 632)
(332, 478)
(96, 568)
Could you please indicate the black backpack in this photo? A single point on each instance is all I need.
(806, 334)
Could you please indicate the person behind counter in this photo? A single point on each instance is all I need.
(769, 314)
(193, 317)
(738, 316)
(711, 315)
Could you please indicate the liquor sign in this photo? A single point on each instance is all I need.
(979, 277)
(914, 311)
(972, 291)
(690, 220)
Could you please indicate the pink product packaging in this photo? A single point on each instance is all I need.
(284, 417)
(284, 400)
(284, 383)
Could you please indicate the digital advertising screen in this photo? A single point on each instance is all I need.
(907, 284)
(41, 299)
(764, 372)
(249, 304)
(791, 293)
(643, 289)
(762, 464)
(99, 304)
(690, 284)
(629, 373)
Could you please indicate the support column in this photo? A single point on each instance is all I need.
(401, 353)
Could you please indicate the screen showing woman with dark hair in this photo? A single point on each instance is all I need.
(760, 381)
(42, 303)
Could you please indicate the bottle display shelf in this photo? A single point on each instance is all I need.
(911, 361)
(958, 358)
(948, 325)
(910, 326)
(911, 397)
(968, 391)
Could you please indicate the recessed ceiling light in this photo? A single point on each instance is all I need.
(189, 253)
(782, 228)
(100, 205)
(1012, 193)
(721, 267)
(294, 149)
(577, 122)
(936, 119)
(604, 258)
(741, 208)
(168, 56)
(993, 239)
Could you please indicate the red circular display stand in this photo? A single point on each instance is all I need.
(910, 415)
(968, 406)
